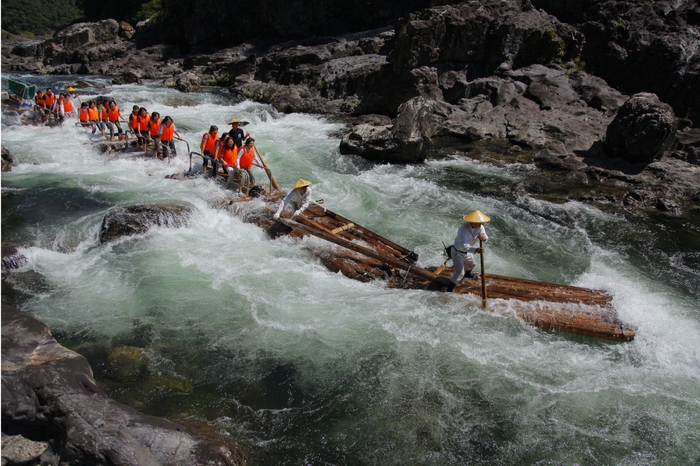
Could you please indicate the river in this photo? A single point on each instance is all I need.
(304, 366)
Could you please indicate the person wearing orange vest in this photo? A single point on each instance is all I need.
(67, 104)
(84, 115)
(227, 159)
(49, 102)
(167, 132)
(154, 126)
(94, 116)
(134, 124)
(102, 109)
(244, 165)
(113, 118)
(144, 135)
(208, 149)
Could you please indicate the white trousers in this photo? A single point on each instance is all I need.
(463, 263)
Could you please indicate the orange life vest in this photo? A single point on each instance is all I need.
(105, 113)
(210, 145)
(133, 121)
(94, 115)
(155, 126)
(247, 157)
(230, 155)
(84, 114)
(143, 122)
(49, 99)
(67, 105)
(113, 114)
(168, 131)
(40, 99)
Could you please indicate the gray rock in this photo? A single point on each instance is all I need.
(17, 450)
(7, 160)
(188, 82)
(643, 130)
(126, 221)
(47, 388)
(127, 77)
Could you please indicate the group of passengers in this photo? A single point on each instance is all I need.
(50, 105)
(235, 153)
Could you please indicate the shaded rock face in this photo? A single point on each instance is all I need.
(7, 160)
(640, 46)
(643, 130)
(48, 393)
(138, 219)
(536, 107)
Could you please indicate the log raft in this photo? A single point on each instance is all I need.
(363, 255)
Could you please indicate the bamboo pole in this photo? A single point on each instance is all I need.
(484, 299)
(273, 182)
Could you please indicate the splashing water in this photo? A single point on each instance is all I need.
(305, 366)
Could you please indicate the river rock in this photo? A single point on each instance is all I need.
(127, 77)
(49, 391)
(7, 160)
(17, 450)
(137, 219)
(188, 82)
(643, 130)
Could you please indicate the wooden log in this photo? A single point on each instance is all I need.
(408, 267)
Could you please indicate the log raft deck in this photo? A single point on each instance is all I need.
(365, 256)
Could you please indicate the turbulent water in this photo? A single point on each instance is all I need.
(304, 366)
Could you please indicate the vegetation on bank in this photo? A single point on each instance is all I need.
(41, 17)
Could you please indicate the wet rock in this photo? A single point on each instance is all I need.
(126, 221)
(17, 450)
(49, 391)
(643, 130)
(127, 77)
(11, 258)
(126, 362)
(7, 160)
(188, 82)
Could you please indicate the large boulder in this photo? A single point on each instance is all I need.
(643, 130)
(48, 392)
(132, 220)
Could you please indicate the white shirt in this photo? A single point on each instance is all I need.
(467, 237)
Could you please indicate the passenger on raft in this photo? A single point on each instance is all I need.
(464, 246)
(134, 124)
(299, 197)
(227, 158)
(208, 148)
(244, 166)
(94, 116)
(143, 132)
(167, 131)
(154, 128)
(84, 115)
(113, 116)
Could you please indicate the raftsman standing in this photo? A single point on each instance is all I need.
(465, 246)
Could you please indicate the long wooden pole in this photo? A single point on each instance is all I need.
(408, 267)
(484, 299)
(273, 182)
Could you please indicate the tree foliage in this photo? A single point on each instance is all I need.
(39, 17)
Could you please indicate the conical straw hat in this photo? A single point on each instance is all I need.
(301, 183)
(476, 216)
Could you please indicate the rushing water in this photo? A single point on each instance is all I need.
(304, 366)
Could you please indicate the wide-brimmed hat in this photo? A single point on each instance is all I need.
(236, 120)
(476, 216)
(301, 183)
(70, 89)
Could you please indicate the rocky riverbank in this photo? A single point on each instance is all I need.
(541, 80)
